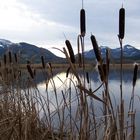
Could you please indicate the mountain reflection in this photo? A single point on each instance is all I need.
(114, 74)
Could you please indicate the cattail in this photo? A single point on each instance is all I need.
(15, 57)
(19, 73)
(50, 67)
(107, 59)
(4, 59)
(71, 53)
(34, 72)
(105, 70)
(28, 62)
(30, 71)
(87, 76)
(10, 57)
(43, 63)
(121, 23)
(82, 22)
(80, 59)
(96, 48)
(67, 73)
(135, 74)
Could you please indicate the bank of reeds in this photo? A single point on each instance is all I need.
(77, 112)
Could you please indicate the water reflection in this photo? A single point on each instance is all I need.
(60, 85)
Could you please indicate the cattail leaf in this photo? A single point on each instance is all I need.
(71, 53)
(50, 67)
(121, 23)
(82, 22)
(90, 93)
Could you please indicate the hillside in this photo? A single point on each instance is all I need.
(27, 51)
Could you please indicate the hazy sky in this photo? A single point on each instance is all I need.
(44, 22)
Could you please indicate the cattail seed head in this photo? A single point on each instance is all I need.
(15, 57)
(67, 73)
(71, 53)
(107, 59)
(34, 72)
(28, 62)
(43, 63)
(135, 74)
(10, 57)
(96, 48)
(5, 59)
(87, 76)
(82, 22)
(30, 71)
(121, 23)
(80, 59)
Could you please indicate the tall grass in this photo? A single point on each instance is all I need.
(78, 112)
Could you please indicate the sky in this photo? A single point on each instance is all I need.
(48, 23)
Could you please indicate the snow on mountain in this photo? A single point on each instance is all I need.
(27, 51)
(129, 52)
(5, 43)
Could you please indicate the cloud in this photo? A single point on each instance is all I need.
(44, 21)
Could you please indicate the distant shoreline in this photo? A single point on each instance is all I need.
(87, 66)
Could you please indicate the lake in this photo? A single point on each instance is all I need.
(66, 87)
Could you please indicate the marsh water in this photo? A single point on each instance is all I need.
(69, 84)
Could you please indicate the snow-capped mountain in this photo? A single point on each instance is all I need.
(27, 51)
(129, 52)
(5, 43)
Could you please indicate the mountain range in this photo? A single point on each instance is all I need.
(27, 51)
(130, 53)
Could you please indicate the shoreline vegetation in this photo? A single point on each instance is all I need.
(87, 66)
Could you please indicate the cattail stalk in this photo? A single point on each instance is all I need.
(101, 73)
(121, 36)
